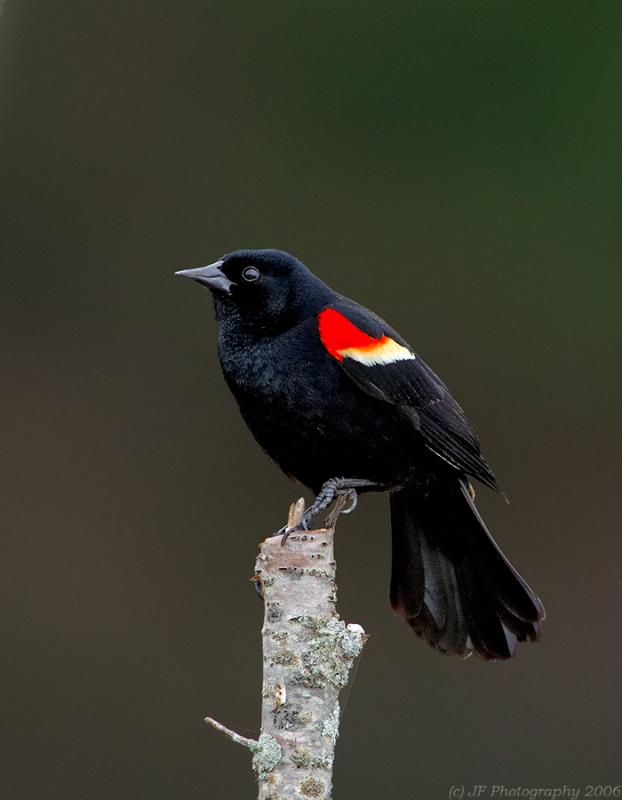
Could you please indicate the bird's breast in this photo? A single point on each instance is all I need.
(305, 411)
(280, 372)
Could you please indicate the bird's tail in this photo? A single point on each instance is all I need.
(450, 580)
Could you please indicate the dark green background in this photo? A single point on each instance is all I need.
(455, 165)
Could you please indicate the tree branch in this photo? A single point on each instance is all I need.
(308, 652)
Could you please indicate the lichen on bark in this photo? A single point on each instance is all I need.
(308, 652)
(266, 755)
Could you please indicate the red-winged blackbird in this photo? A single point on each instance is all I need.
(343, 404)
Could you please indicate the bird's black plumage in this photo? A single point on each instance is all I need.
(330, 390)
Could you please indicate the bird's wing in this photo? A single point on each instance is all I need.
(381, 363)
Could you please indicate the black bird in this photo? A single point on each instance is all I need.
(343, 404)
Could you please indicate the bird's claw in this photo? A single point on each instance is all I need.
(346, 503)
(353, 500)
(286, 531)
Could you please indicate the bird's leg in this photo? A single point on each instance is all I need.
(333, 488)
(329, 492)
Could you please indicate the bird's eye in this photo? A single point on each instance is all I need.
(250, 274)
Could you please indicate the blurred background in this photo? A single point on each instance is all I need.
(457, 166)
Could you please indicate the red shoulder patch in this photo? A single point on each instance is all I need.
(338, 333)
(342, 339)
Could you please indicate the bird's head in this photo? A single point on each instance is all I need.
(263, 286)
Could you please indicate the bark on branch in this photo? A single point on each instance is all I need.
(308, 652)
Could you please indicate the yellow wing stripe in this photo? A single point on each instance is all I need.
(381, 351)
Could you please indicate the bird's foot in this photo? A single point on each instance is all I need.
(346, 502)
(341, 489)
(286, 531)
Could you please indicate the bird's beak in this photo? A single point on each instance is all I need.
(211, 276)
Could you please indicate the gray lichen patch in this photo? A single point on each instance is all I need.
(284, 658)
(311, 787)
(352, 641)
(267, 754)
(273, 612)
(302, 759)
(309, 621)
(328, 657)
(290, 718)
(330, 726)
(306, 680)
